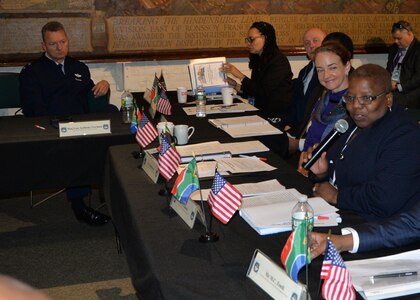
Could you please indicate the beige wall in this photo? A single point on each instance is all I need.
(137, 76)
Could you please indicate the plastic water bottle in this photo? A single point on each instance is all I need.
(301, 211)
(200, 101)
(127, 106)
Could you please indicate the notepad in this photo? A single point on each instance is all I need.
(215, 149)
(362, 270)
(245, 126)
(271, 213)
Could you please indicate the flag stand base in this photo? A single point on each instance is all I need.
(209, 237)
(164, 192)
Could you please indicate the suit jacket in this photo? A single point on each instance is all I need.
(409, 76)
(46, 91)
(271, 85)
(398, 231)
(301, 101)
(378, 172)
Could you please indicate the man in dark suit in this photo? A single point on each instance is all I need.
(404, 65)
(58, 85)
(306, 82)
(397, 231)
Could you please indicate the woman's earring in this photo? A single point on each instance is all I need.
(390, 108)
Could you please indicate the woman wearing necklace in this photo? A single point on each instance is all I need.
(332, 62)
(374, 168)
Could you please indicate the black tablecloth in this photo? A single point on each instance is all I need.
(32, 158)
(165, 257)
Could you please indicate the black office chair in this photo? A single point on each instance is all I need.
(9, 87)
(99, 104)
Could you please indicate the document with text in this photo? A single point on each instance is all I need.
(386, 277)
(245, 126)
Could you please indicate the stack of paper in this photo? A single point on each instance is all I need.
(222, 109)
(271, 213)
(245, 126)
(247, 189)
(386, 277)
(215, 149)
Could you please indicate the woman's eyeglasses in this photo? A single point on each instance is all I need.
(363, 100)
(251, 39)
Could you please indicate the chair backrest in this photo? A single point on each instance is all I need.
(9, 90)
(98, 104)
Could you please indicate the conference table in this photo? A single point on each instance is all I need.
(166, 258)
(36, 158)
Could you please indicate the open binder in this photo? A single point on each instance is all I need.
(206, 71)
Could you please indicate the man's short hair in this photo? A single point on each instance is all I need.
(400, 25)
(52, 26)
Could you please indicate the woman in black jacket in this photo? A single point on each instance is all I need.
(271, 78)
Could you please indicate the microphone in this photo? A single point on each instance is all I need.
(340, 127)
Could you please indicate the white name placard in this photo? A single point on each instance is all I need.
(188, 212)
(273, 279)
(150, 164)
(84, 128)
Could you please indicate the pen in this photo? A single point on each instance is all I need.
(390, 275)
(39, 127)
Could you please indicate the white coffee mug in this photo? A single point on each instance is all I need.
(183, 133)
(227, 95)
(161, 127)
(182, 94)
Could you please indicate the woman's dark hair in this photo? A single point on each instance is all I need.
(270, 46)
(336, 48)
(341, 38)
(379, 76)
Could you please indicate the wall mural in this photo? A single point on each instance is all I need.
(139, 26)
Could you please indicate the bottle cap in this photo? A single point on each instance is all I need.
(303, 198)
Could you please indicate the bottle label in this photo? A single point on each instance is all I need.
(299, 217)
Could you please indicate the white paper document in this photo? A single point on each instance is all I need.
(222, 109)
(245, 126)
(247, 189)
(206, 169)
(206, 72)
(271, 213)
(363, 274)
(215, 149)
(235, 165)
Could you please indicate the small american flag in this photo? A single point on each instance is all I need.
(163, 105)
(169, 159)
(146, 132)
(224, 199)
(337, 281)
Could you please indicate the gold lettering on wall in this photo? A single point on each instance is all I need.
(130, 33)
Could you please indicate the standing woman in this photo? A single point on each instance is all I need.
(271, 78)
